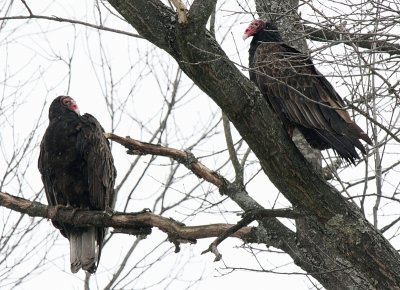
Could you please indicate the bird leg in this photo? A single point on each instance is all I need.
(73, 212)
(57, 207)
(67, 206)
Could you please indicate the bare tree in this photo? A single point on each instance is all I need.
(184, 66)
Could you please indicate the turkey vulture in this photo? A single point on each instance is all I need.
(77, 170)
(299, 94)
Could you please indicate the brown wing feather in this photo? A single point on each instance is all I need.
(299, 93)
(95, 150)
(51, 164)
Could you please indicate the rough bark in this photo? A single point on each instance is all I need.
(346, 231)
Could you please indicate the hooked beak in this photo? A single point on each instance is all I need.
(75, 108)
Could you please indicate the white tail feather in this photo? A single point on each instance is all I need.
(75, 246)
(83, 250)
(88, 257)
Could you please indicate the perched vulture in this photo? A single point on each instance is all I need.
(78, 171)
(299, 94)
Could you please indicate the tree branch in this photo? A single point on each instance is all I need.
(359, 39)
(123, 222)
(200, 12)
(184, 157)
(27, 7)
(283, 238)
(249, 217)
(231, 149)
(72, 21)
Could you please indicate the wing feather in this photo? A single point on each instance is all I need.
(48, 179)
(48, 182)
(95, 151)
(298, 92)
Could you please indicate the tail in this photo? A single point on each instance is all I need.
(358, 132)
(84, 250)
(344, 145)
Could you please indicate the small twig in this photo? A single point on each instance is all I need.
(214, 249)
(385, 228)
(372, 120)
(27, 7)
(60, 19)
(237, 50)
(231, 149)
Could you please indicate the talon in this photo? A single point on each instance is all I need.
(57, 207)
(74, 210)
(145, 210)
(109, 211)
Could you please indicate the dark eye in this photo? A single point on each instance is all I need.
(66, 101)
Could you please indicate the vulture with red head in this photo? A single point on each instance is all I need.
(78, 171)
(300, 95)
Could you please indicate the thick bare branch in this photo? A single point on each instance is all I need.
(127, 221)
(200, 11)
(184, 157)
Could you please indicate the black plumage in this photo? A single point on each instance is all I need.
(77, 170)
(300, 95)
